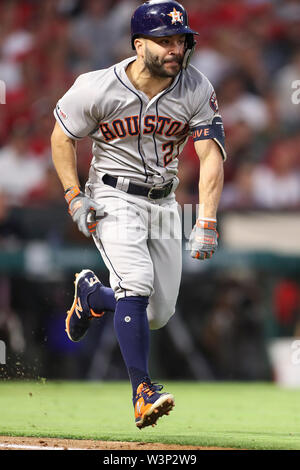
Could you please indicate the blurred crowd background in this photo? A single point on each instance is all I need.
(250, 51)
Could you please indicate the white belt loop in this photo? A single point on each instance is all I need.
(122, 184)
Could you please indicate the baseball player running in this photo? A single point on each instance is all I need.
(139, 114)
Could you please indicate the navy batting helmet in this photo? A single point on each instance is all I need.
(159, 18)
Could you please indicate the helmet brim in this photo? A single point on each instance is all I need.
(163, 32)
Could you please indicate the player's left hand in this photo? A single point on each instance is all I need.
(84, 211)
(203, 240)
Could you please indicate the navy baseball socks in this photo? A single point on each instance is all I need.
(132, 330)
(91, 300)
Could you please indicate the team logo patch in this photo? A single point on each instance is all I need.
(176, 16)
(213, 103)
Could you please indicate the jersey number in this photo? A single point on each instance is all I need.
(169, 147)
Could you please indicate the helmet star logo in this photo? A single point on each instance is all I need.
(176, 16)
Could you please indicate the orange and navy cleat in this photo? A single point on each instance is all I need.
(149, 405)
(80, 315)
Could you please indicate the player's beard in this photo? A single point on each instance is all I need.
(156, 66)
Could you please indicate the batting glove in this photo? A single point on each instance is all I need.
(83, 210)
(203, 241)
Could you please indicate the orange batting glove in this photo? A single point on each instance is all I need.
(83, 210)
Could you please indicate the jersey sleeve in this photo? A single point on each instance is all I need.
(76, 112)
(207, 123)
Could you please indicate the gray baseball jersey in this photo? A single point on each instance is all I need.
(134, 137)
(138, 139)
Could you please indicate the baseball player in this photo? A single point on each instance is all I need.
(139, 114)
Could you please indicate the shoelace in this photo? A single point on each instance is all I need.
(150, 387)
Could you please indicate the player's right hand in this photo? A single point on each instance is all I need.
(83, 210)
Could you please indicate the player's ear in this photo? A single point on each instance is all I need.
(139, 44)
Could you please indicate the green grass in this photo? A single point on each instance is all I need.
(239, 415)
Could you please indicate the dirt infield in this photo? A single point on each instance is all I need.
(47, 443)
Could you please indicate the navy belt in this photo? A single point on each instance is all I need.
(156, 192)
